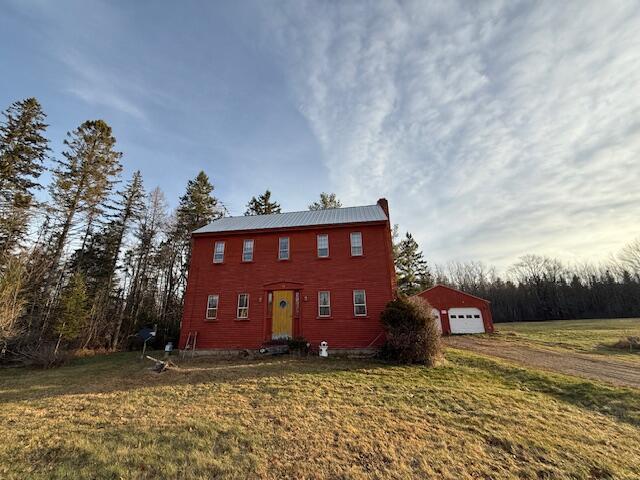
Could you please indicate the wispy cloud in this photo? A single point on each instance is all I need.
(86, 38)
(103, 87)
(494, 128)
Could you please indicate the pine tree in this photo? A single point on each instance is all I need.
(83, 181)
(262, 205)
(413, 272)
(327, 201)
(23, 150)
(131, 204)
(197, 206)
(130, 209)
(73, 311)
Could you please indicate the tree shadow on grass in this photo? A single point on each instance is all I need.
(621, 403)
(125, 371)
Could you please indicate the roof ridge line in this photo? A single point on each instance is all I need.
(302, 211)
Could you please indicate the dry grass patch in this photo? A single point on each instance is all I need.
(473, 417)
(585, 336)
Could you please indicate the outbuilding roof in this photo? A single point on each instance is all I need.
(333, 216)
(440, 286)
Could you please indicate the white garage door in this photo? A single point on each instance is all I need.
(466, 320)
(436, 313)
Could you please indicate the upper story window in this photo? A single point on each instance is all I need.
(212, 307)
(324, 304)
(247, 251)
(283, 248)
(218, 252)
(243, 305)
(359, 303)
(356, 244)
(323, 245)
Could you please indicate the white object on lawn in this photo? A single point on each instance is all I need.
(324, 349)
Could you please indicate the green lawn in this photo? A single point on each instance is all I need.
(472, 417)
(588, 336)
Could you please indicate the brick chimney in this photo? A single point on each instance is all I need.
(385, 206)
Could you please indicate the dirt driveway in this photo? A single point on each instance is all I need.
(571, 363)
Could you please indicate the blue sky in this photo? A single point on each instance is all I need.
(494, 128)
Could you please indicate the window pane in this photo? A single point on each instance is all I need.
(212, 307)
(243, 300)
(356, 243)
(247, 251)
(283, 249)
(243, 305)
(323, 245)
(218, 252)
(359, 302)
(324, 298)
(324, 308)
(213, 301)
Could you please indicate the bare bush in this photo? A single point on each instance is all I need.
(412, 333)
(11, 302)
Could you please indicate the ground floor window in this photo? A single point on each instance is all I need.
(359, 303)
(212, 307)
(243, 305)
(324, 304)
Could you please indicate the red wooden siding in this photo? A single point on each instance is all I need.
(304, 272)
(444, 298)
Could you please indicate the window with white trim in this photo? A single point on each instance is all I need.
(218, 252)
(359, 303)
(323, 245)
(324, 304)
(283, 248)
(243, 305)
(356, 244)
(212, 307)
(247, 251)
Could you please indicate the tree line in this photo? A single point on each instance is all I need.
(536, 287)
(89, 258)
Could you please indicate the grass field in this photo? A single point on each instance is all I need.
(587, 336)
(472, 417)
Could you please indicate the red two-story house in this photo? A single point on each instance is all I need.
(323, 275)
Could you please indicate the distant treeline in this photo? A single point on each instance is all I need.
(542, 288)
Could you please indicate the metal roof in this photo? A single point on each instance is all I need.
(333, 216)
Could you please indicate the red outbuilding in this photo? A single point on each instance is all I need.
(323, 275)
(459, 312)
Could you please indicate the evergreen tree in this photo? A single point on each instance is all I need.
(197, 206)
(131, 205)
(262, 205)
(327, 201)
(74, 309)
(23, 150)
(413, 272)
(129, 209)
(83, 181)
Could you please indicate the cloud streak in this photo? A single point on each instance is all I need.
(495, 129)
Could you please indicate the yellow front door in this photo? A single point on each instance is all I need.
(282, 326)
